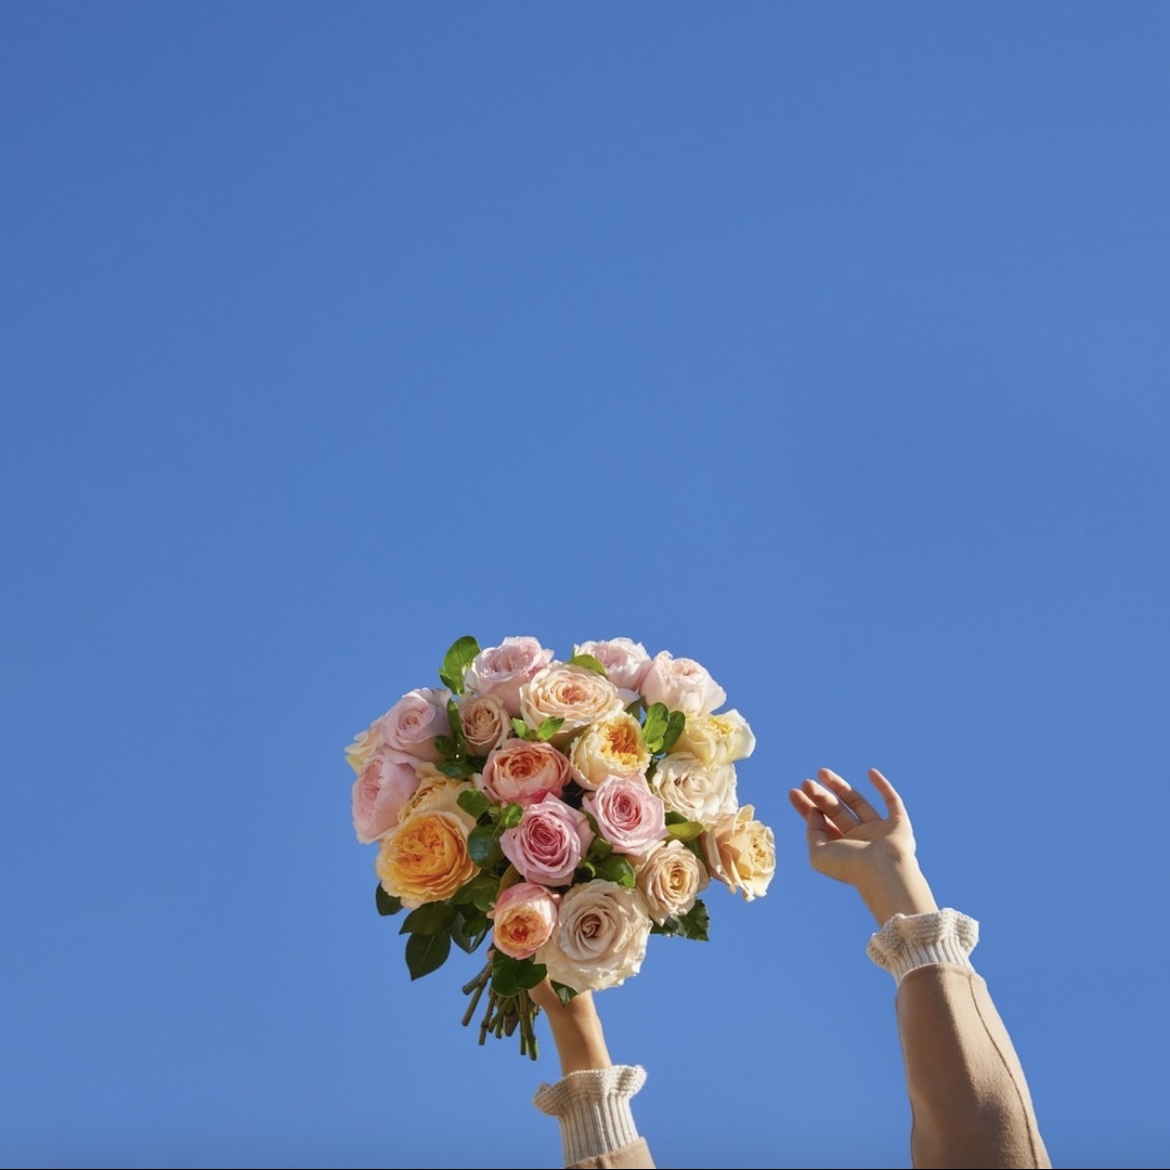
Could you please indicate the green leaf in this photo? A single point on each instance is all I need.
(684, 830)
(669, 927)
(674, 728)
(387, 904)
(564, 992)
(473, 802)
(657, 721)
(635, 708)
(456, 769)
(599, 850)
(426, 953)
(694, 923)
(548, 728)
(589, 662)
(446, 746)
(512, 815)
(617, 868)
(521, 728)
(585, 872)
(461, 655)
(480, 892)
(511, 976)
(433, 918)
(456, 722)
(468, 930)
(483, 846)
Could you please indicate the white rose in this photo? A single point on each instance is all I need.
(572, 693)
(600, 936)
(741, 853)
(717, 739)
(609, 747)
(670, 878)
(682, 684)
(701, 792)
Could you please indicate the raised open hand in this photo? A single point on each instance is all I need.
(849, 840)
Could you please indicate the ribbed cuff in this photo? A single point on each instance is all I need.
(593, 1107)
(909, 941)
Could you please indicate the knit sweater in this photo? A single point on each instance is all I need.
(968, 1096)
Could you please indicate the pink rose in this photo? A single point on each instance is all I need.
(502, 670)
(682, 684)
(625, 661)
(522, 772)
(631, 817)
(411, 725)
(524, 915)
(486, 723)
(549, 842)
(384, 785)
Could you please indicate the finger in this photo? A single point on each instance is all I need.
(806, 808)
(828, 804)
(820, 831)
(860, 807)
(893, 802)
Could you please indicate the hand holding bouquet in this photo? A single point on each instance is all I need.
(569, 809)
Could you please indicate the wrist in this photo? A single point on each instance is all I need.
(897, 887)
(578, 1036)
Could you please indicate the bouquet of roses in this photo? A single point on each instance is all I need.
(568, 809)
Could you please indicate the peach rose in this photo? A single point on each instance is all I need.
(572, 693)
(425, 859)
(523, 772)
(741, 853)
(524, 916)
(682, 684)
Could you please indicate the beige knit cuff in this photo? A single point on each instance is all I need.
(593, 1107)
(909, 941)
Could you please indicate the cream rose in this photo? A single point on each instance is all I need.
(439, 792)
(425, 859)
(609, 747)
(741, 853)
(486, 723)
(670, 878)
(572, 693)
(700, 792)
(717, 739)
(600, 937)
(682, 684)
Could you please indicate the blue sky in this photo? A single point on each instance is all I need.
(823, 343)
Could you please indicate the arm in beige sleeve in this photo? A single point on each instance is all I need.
(969, 1099)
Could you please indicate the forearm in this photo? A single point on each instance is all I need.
(592, 1100)
(968, 1095)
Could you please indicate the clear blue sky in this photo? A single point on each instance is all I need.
(824, 343)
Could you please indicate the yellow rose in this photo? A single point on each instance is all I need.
(609, 747)
(741, 853)
(436, 792)
(425, 859)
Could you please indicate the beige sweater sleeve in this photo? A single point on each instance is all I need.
(968, 1097)
(597, 1126)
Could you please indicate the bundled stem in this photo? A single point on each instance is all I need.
(504, 1014)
